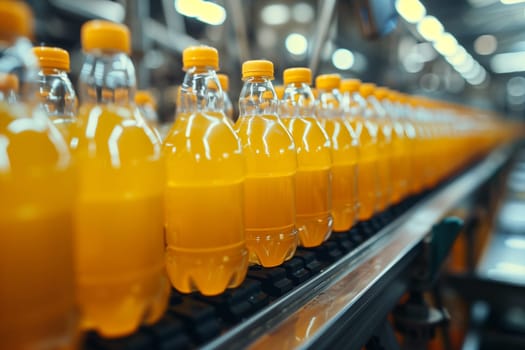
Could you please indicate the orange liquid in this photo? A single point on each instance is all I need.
(345, 154)
(271, 166)
(384, 144)
(37, 295)
(204, 205)
(414, 146)
(369, 189)
(400, 165)
(119, 242)
(313, 182)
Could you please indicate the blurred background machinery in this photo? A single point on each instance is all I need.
(467, 51)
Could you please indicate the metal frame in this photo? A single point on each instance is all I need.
(346, 302)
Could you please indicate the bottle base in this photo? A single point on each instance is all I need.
(313, 230)
(344, 217)
(210, 271)
(117, 308)
(271, 247)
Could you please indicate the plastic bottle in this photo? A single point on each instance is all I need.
(402, 146)
(384, 143)
(57, 95)
(366, 137)
(119, 211)
(376, 144)
(271, 165)
(227, 105)
(313, 182)
(37, 295)
(345, 153)
(148, 108)
(399, 166)
(206, 248)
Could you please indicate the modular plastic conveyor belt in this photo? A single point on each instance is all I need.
(346, 285)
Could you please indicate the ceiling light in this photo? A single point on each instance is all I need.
(205, 11)
(211, 13)
(411, 10)
(446, 44)
(296, 44)
(303, 12)
(508, 62)
(459, 58)
(430, 28)
(275, 14)
(486, 44)
(511, 2)
(343, 59)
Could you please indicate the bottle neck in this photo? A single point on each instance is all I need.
(329, 103)
(107, 78)
(57, 96)
(17, 58)
(258, 98)
(200, 91)
(298, 101)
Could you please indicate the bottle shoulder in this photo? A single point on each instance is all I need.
(28, 141)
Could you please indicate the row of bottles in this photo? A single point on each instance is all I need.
(98, 212)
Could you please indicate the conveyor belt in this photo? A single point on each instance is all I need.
(346, 286)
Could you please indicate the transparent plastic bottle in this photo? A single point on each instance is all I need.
(57, 95)
(227, 105)
(384, 143)
(271, 165)
(373, 148)
(147, 106)
(345, 152)
(393, 129)
(313, 182)
(119, 210)
(402, 144)
(206, 247)
(37, 295)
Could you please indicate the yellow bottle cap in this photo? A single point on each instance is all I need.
(257, 68)
(8, 82)
(366, 89)
(350, 85)
(297, 75)
(16, 20)
(224, 81)
(105, 36)
(328, 81)
(380, 92)
(144, 97)
(52, 57)
(200, 56)
(279, 91)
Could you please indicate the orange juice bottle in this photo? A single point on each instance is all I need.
(345, 152)
(271, 166)
(37, 296)
(57, 96)
(224, 81)
(366, 135)
(206, 247)
(313, 182)
(377, 115)
(399, 165)
(370, 189)
(147, 106)
(410, 125)
(119, 211)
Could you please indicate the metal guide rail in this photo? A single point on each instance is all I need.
(346, 286)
